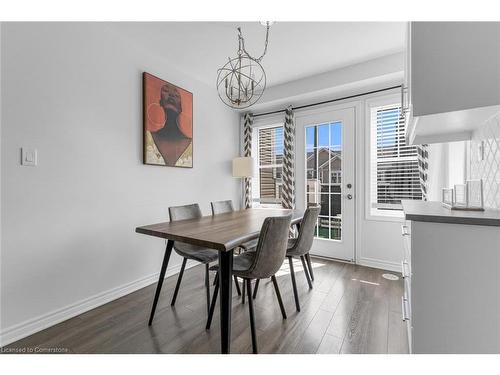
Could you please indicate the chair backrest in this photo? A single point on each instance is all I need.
(271, 248)
(222, 207)
(189, 211)
(306, 231)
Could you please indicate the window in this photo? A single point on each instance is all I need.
(270, 151)
(394, 164)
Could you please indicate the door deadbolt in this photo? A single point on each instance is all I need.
(349, 186)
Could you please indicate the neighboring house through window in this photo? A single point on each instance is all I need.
(270, 163)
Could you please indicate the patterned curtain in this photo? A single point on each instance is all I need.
(423, 167)
(288, 193)
(247, 151)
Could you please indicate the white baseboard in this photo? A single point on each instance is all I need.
(31, 326)
(376, 263)
(368, 262)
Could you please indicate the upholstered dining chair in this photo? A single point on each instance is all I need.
(262, 263)
(192, 252)
(223, 207)
(300, 247)
(197, 253)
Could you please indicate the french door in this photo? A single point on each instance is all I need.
(325, 176)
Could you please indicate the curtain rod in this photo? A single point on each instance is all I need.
(329, 101)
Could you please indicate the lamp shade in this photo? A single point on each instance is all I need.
(243, 167)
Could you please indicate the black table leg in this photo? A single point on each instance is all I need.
(168, 251)
(226, 293)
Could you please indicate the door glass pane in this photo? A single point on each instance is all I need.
(310, 137)
(323, 227)
(336, 215)
(324, 176)
(323, 135)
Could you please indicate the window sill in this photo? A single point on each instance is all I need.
(396, 217)
(266, 205)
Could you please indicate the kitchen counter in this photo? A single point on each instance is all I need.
(435, 212)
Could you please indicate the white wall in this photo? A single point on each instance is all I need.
(74, 92)
(369, 75)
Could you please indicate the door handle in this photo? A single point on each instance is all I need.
(349, 196)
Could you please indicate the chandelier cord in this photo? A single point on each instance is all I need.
(241, 42)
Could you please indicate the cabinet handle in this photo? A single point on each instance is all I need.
(405, 269)
(404, 108)
(404, 230)
(404, 309)
(401, 115)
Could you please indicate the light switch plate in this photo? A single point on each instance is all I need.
(29, 157)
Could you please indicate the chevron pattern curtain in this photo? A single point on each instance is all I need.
(288, 193)
(423, 168)
(247, 151)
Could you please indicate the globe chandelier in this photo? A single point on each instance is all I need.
(242, 80)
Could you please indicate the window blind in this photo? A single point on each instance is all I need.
(270, 153)
(393, 163)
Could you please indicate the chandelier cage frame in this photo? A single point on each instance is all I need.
(242, 80)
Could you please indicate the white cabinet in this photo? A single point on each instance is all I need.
(452, 79)
(452, 281)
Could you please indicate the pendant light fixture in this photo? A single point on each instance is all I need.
(242, 80)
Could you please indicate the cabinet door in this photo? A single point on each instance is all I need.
(454, 66)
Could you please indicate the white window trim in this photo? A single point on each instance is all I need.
(393, 216)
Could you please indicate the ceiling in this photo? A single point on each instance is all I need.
(296, 49)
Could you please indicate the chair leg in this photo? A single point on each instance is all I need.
(237, 284)
(216, 279)
(252, 318)
(294, 284)
(179, 279)
(306, 271)
(243, 292)
(255, 288)
(278, 294)
(212, 306)
(207, 286)
(309, 265)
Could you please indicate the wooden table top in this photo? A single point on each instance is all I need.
(221, 232)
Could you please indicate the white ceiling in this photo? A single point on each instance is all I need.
(296, 49)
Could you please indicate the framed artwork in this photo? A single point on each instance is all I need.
(168, 123)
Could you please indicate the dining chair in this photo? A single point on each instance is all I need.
(262, 263)
(300, 247)
(187, 251)
(223, 207)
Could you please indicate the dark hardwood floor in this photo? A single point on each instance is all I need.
(351, 309)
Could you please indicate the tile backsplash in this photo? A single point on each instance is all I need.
(485, 160)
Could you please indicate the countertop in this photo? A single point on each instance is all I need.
(435, 212)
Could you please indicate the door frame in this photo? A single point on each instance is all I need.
(300, 143)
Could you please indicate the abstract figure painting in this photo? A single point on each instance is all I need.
(168, 123)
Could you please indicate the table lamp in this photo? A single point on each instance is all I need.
(243, 168)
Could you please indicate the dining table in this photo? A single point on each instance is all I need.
(224, 233)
